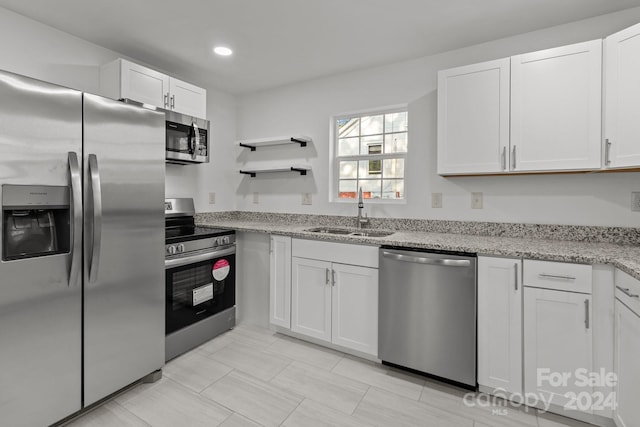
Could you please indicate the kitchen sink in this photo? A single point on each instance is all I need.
(372, 233)
(345, 232)
(328, 230)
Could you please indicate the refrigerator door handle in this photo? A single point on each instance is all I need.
(76, 209)
(94, 174)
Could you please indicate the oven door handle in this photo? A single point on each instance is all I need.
(177, 262)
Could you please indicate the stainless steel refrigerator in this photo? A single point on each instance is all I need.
(82, 254)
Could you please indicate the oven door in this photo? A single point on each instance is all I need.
(187, 140)
(199, 286)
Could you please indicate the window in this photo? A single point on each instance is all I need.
(370, 153)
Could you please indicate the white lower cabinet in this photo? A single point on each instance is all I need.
(334, 294)
(627, 362)
(311, 298)
(280, 281)
(500, 324)
(355, 307)
(627, 350)
(337, 303)
(557, 344)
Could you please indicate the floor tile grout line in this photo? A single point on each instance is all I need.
(135, 415)
(361, 399)
(294, 410)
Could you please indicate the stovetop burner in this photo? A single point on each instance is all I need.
(183, 229)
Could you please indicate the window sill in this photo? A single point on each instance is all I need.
(369, 201)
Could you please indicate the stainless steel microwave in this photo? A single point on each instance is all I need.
(187, 139)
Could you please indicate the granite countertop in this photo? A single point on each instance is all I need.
(625, 257)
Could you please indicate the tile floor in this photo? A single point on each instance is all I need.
(251, 376)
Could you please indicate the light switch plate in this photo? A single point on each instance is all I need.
(212, 198)
(635, 201)
(436, 200)
(476, 200)
(306, 198)
(256, 198)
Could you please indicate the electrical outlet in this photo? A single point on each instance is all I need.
(635, 201)
(436, 200)
(212, 198)
(256, 198)
(476, 200)
(306, 198)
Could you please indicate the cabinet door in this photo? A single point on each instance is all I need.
(557, 342)
(556, 108)
(280, 281)
(143, 84)
(627, 366)
(473, 118)
(311, 298)
(500, 324)
(355, 308)
(188, 99)
(622, 98)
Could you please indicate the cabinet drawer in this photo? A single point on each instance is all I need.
(560, 276)
(342, 253)
(626, 289)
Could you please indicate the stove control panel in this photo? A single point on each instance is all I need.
(199, 245)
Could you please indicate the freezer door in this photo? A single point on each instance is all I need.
(124, 245)
(40, 307)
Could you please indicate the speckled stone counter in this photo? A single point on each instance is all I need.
(589, 245)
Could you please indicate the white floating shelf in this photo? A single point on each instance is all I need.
(252, 144)
(302, 169)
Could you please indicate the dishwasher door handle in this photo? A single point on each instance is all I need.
(425, 260)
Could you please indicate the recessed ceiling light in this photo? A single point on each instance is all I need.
(222, 50)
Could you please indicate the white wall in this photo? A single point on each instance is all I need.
(36, 50)
(305, 108)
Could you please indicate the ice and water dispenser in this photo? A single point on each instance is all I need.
(35, 221)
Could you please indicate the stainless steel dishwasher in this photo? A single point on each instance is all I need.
(427, 313)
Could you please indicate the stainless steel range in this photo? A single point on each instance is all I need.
(200, 279)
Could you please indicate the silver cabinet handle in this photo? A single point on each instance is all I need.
(424, 260)
(196, 140)
(166, 100)
(333, 277)
(326, 276)
(627, 292)
(556, 276)
(586, 313)
(503, 161)
(76, 206)
(96, 195)
(607, 152)
(173, 102)
(513, 157)
(516, 275)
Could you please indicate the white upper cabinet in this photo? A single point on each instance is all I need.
(556, 108)
(473, 118)
(122, 79)
(622, 98)
(187, 99)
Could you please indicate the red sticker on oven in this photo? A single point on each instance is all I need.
(220, 269)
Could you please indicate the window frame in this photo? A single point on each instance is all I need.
(335, 159)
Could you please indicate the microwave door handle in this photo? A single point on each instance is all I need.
(76, 212)
(196, 140)
(96, 190)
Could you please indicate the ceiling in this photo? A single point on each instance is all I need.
(277, 42)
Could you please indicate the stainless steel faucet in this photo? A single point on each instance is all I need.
(361, 221)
